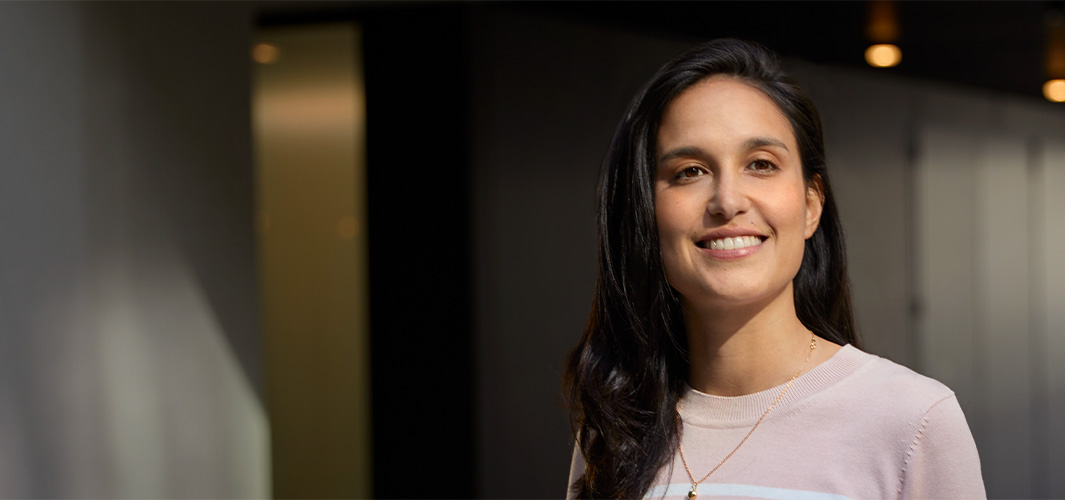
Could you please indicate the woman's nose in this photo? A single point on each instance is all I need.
(728, 198)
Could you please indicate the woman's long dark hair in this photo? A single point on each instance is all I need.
(629, 369)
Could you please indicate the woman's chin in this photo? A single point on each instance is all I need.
(734, 298)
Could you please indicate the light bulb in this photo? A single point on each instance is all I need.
(884, 55)
(1054, 90)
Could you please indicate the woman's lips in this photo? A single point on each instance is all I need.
(734, 247)
(733, 243)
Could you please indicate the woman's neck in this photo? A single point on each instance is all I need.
(742, 350)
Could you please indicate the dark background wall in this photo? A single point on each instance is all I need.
(418, 202)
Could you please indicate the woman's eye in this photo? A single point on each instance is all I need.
(762, 165)
(691, 172)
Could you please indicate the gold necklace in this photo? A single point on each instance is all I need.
(695, 484)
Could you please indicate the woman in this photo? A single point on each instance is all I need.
(720, 357)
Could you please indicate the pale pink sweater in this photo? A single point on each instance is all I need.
(856, 426)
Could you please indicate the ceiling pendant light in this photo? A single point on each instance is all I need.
(1054, 88)
(883, 31)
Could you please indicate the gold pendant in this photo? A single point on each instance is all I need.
(694, 492)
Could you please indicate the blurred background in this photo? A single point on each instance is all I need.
(341, 249)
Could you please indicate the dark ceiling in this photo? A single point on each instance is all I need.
(996, 45)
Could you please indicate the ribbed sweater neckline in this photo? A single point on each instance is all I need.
(706, 410)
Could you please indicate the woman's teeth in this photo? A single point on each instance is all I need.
(734, 243)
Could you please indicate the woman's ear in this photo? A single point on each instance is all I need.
(815, 204)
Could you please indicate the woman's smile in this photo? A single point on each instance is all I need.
(730, 244)
(738, 243)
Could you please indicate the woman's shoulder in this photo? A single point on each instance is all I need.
(921, 419)
(914, 421)
(893, 407)
(880, 385)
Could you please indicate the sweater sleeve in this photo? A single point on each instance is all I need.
(576, 469)
(942, 461)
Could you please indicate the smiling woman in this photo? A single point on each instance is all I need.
(730, 173)
(721, 346)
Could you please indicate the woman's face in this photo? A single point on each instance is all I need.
(732, 206)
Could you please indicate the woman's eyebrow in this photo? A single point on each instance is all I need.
(759, 142)
(682, 151)
(752, 143)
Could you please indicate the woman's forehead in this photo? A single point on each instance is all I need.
(723, 110)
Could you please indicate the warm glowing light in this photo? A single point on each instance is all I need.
(884, 55)
(265, 53)
(1054, 90)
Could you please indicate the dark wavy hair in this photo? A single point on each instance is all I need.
(625, 376)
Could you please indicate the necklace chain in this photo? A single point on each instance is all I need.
(695, 484)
